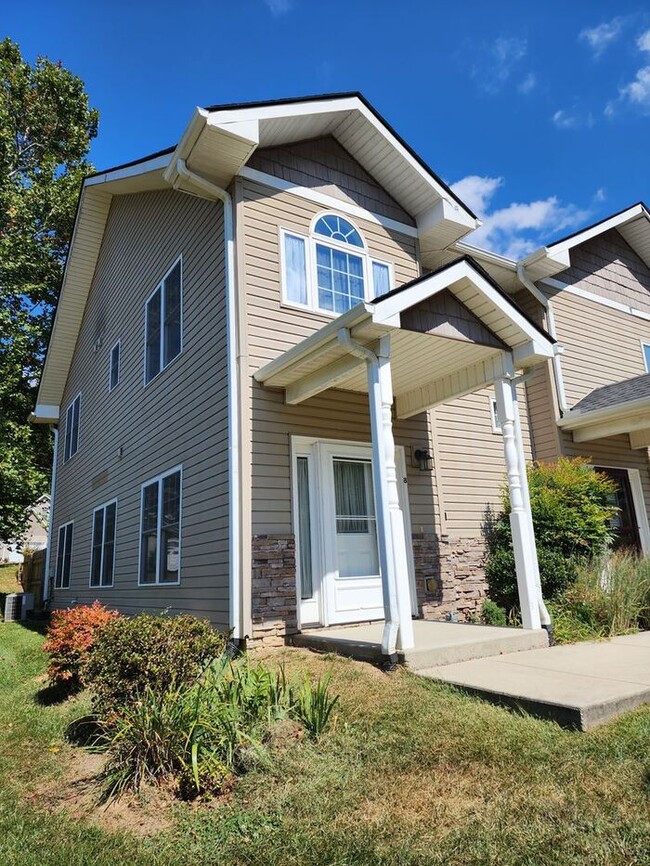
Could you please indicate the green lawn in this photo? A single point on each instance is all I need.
(412, 773)
(8, 582)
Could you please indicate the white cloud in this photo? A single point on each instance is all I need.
(278, 7)
(600, 195)
(643, 42)
(601, 37)
(517, 228)
(528, 83)
(496, 62)
(572, 119)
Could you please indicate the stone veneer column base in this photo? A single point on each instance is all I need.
(450, 575)
(449, 572)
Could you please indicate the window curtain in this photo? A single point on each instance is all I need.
(353, 493)
(295, 263)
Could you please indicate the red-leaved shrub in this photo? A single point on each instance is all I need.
(69, 640)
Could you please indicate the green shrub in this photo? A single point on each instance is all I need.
(571, 515)
(492, 614)
(203, 735)
(148, 651)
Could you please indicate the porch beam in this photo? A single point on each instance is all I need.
(464, 381)
(320, 380)
(611, 428)
(523, 539)
(640, 438)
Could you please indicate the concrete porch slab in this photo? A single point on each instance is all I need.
(578, 685)
(436, 643)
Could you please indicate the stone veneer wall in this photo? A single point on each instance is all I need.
(449, 578)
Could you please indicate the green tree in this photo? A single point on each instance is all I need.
(46, 127)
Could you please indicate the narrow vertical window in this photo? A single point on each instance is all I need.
(646, 356)
(160, 529)
(71, 444)
(103, 547)
(63, 557)
(380, 279)
(304, 529)
(114, 367)
(295, 267)
(163, 323)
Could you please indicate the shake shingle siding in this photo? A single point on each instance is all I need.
(133, 433)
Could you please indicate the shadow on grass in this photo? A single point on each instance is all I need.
(48, 696)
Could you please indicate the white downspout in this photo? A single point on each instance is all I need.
(50, 523)
(211, 190)
(550, 324)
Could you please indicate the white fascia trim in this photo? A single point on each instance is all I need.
(325, 200)
(485, 255)
(575, 419)
(155, 164)
(597, 299)
(44, 414)
(599, 229)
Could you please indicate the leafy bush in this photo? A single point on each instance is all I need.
(70, 639)
(203, 735)
(492, 614)
(148, 651)
(571, 515)
(611, 595)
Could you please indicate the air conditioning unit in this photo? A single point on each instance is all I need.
(18, 605)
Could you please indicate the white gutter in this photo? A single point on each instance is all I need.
(550, 324)
(577, 418)
(50, 523)
(181, 174)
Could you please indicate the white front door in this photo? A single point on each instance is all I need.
(336, 533)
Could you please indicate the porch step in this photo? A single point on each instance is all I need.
(436, 643)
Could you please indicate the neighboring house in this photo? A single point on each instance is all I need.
(287, 390)
(35, 537)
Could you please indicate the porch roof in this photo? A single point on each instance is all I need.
(622, 407)
(453, 332)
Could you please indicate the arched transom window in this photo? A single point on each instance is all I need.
(330, 271)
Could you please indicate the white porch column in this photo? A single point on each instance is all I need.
(523, 539)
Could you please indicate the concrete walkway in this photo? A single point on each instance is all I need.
(578, 685)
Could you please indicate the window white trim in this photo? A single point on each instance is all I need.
(116, 345)
(58, 577)
(158, 479)
(645, 344)
(103, 507)
(494, 416)
(310, 241)
(68, 453)
(160, 287)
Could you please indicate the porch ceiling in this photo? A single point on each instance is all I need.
(434, 358)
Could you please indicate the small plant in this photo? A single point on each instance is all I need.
(70, 638)
(313, 705)
(492, 614)
(148, 651)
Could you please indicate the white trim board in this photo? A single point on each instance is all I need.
(325, 200)
(597, 299)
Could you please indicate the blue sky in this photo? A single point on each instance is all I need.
(539, 114)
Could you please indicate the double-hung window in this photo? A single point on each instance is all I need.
(63, 557)
(71, 444)
(160, 537)
(163, 323)
(114, 367)
(102, 563)
(330, 271)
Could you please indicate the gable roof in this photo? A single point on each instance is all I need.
(217, 143)
(632, 223)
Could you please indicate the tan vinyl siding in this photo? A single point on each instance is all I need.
(272, 329)
(323, 165)
(601, 345)
(179, 418)
(608, 266)
(471, 461)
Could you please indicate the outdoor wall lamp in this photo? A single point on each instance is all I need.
(424, 460)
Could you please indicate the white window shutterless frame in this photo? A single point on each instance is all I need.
(338, 540)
